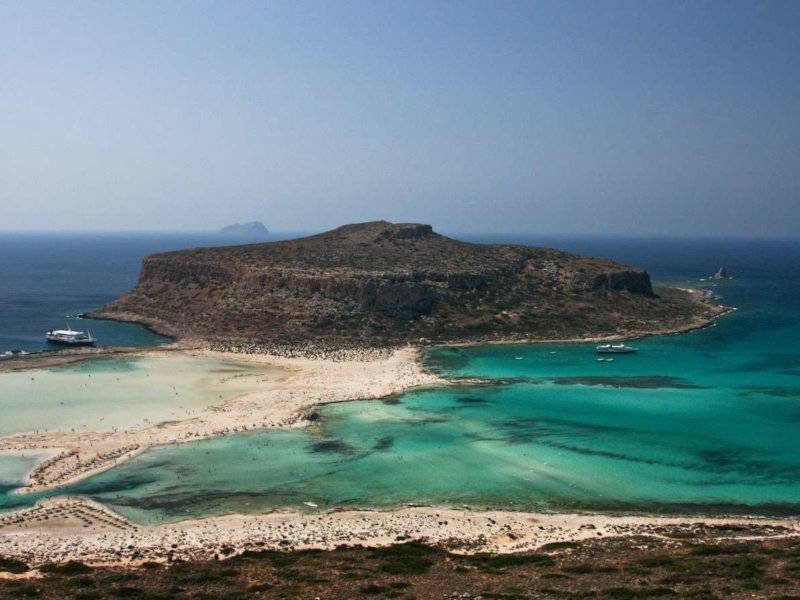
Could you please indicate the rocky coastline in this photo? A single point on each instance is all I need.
(379, 284)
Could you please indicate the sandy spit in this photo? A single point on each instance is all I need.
(284, 401)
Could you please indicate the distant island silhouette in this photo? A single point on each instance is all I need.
(253, 229)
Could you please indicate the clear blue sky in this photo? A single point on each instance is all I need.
(561, 117)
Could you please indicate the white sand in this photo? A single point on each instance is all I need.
(76, 529)
(283, 401)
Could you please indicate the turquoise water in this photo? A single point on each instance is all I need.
(47, 276)
(705, 422)
(102, 395)
(14, 467)
(525, 446)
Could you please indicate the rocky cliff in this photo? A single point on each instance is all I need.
(385, 283)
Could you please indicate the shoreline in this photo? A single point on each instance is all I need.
(154, 326)
(76, 528)
(331, 376)
(286, 401)
(179, 343)
(698, 323)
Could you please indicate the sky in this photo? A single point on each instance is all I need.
(590, 117)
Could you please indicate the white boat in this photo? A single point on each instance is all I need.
(614, 349)
(70, 337)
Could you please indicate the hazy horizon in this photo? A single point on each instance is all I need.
(572, 118)
(476, 235)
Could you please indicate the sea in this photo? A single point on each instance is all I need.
(706, 422)
(48, 279)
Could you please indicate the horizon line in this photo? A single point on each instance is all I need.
(451, 233)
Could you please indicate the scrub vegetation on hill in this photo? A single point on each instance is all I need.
(380, 283)
(619, 569)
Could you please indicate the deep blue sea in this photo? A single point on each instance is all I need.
(704, 422)
(46, 279)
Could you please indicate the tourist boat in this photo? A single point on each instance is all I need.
(615, 349)
(70, 337)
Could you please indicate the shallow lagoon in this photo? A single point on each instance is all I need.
(104, 394)
(14, 467)
(705, 422)
(524, 446)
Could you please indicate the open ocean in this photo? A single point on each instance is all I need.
(48, 278)
(705, 422)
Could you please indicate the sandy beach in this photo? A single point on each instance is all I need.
(66, 528)
(313, 377)
(285, 401)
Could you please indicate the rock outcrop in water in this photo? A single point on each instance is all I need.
(385, 283)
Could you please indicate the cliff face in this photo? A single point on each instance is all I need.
(377, 283)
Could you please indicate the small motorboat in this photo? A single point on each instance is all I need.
(615, 349)
(70, 337)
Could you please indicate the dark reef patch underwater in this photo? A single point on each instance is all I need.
(704, 422)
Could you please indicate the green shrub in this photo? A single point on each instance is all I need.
(72, 567)
(11, 565)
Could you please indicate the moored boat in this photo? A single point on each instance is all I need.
(70, 337)
(615, 349)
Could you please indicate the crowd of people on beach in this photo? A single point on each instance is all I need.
(308, 350)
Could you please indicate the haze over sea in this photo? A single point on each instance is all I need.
(700, 422)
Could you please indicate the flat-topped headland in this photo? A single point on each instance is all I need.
(387, 284)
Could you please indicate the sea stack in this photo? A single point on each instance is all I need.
(721, 274)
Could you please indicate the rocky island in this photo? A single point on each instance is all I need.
(380, 283)
(254, 230)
